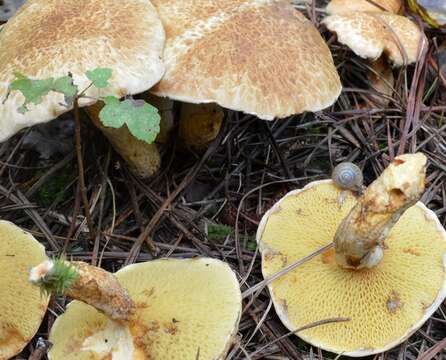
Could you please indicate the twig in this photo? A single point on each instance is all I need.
(80, 165)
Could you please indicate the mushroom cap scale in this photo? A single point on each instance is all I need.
(22, 307)
(50, 38)
(343, 6)
(261, 57)
(183, 307)
(372, 34)
(385, 304)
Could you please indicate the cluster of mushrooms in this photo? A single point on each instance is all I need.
(383, 272)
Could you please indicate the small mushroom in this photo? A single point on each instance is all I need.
(22, 306)
(182, 309)
(386, 274)
(52, 38)
(261, 58)
(377, 36)
(345, 6)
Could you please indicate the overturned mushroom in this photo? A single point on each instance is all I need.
(386, 273)
(181, 309)
(58, 37)
(22, 306)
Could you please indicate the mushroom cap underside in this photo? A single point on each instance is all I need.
(384, 304)
(372, 34)
(261, 57)
(22, 307)
(183, 308)
(51, 38)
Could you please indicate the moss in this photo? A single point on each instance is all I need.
(53, 188)
(218, 232)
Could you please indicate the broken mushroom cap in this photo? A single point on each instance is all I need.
(260, 57)
(52, 38)
(344, 6)
(372, 34)
(184, 309)
(384, 304)
(22, 306)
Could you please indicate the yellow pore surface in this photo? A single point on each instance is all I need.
(21, 306)
(384, 304)
(184, 308)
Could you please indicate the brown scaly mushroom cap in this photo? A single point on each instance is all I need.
(372, 34)
(344, 6)
(261, 57)
(50, 38)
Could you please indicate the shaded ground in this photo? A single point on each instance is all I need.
(249, 166)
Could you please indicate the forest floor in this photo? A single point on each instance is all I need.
(210, 203)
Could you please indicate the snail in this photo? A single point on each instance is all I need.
(348, 176)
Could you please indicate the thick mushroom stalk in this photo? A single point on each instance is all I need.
(143, 159)
(87, 283)
(359, 239)
(200, 124)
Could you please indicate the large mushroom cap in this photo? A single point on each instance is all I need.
(259, 56)
(50, 38)
(185, 309)
(343, 6)
(21, 306)
(372, 34)
(385, 304)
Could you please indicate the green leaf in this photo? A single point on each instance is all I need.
(65, 85)
(141, 118)
(32, 90)
(218, 232)
(35, 90)
(251, 245)
(99, 77)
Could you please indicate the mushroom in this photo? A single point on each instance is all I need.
(182, 309)
(386, 274)
(378, 35)
(345, 6)
(53, 38)
(22, 307)
(259, 57)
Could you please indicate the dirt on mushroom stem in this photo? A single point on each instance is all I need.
(359, 240)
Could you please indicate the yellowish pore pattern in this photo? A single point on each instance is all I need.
(382, 303)
(22, 307)
(183, 307)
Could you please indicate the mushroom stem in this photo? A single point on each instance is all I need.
(359, 239)
(87, 283)
(200, 124)
(143, 158)
(381, 80)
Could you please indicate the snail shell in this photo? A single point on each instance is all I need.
(348, 176)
